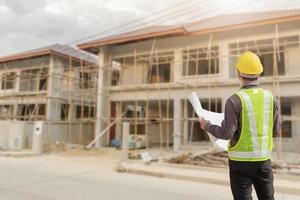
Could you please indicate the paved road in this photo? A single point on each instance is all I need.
(56, 178)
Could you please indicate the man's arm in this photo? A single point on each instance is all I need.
(276, 126)
(230, 123)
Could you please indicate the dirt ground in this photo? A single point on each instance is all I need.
(110, 158)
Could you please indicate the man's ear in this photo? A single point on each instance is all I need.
(239, 76)
(259, 75)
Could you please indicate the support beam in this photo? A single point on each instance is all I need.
(125, 130)
(118, 125)
(177, 124)
(178, 65)
(50, 88)
(54, 89)
(185, 122)
(100, 99)
(17, 84)
(224, 59)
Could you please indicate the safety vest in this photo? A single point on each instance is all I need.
(256, 138)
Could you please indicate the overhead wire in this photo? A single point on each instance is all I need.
(207, 11)
(167, 16)
(176, 6)
(250, 3)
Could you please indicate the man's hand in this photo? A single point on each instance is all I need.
(203, 123)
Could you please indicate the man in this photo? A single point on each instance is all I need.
(251, 118)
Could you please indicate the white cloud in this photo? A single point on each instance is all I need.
(3, 9)
(33, 23)
(22, 7)
(28, 24)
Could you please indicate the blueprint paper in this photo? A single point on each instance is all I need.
(213, 117)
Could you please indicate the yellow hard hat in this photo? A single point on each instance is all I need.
(249, 64)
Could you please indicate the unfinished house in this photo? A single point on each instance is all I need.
(154, 69)
(53, 88)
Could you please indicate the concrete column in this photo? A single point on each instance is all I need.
(54, 90)
(72, 112)
(178, 65)
(224, 60)
(224, 66)
(100, 99)
(177, 124)
(53, 109)
(17, 85)
(17, 89)
(125, 128)
(50, 88)
(37, 142)
(185, 124)
(118, 125)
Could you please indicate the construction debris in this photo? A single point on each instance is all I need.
(120, 168)
(134, 156)
(217, 158)
(145, 156)
(51, 146)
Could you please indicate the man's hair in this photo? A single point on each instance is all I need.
(246, 79)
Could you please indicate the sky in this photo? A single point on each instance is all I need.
(30, 24)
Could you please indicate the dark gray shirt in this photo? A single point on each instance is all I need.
(231, 126)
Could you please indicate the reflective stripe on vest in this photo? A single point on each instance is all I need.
(267, 102)
(252, 121)
(256, 154)
(258, 151)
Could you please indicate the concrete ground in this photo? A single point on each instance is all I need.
(76, 175)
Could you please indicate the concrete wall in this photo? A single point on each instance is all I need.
(4, 134)
(51, 132)
(15, 135)
(64, 132)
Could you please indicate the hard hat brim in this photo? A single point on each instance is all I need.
(249, 75)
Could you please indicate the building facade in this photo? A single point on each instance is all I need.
(154, 69)
(55, 86)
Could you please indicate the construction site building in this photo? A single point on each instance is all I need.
(52, 90)
(154, 69)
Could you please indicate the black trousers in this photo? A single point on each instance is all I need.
(245, 174)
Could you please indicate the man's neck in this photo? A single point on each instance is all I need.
(249, 84)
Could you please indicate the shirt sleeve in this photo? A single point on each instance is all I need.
(229, 125)
(276, 125)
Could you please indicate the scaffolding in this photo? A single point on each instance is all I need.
(58, 90)
(64, 90)
(151, 74)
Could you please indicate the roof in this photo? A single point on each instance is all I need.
(210, 25)
(241, 20)
(140, 34)
(58, 49)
